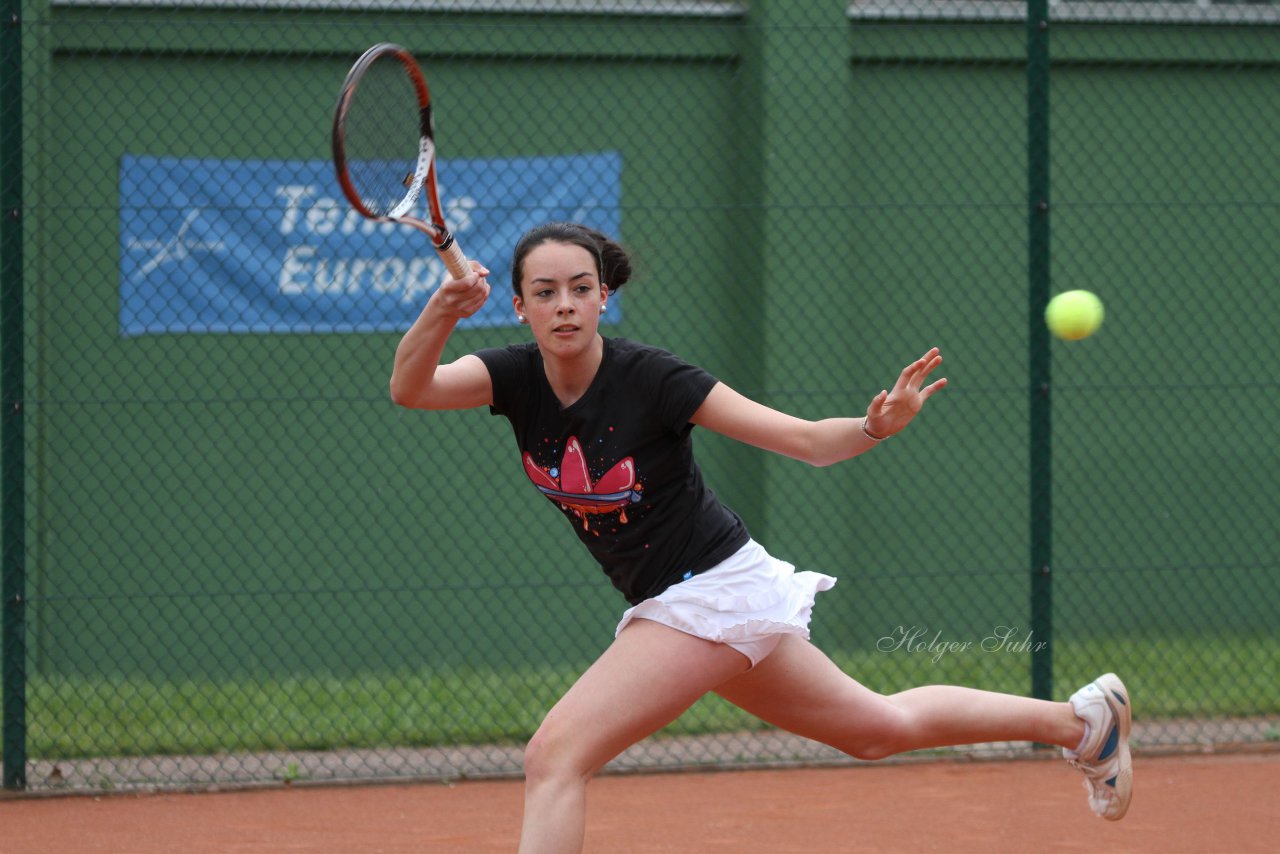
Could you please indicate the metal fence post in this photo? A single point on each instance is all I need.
(1039, 358)
(12, 632)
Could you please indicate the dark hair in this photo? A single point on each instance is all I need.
(612, 264)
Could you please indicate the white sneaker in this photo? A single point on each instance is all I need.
(1103, 754)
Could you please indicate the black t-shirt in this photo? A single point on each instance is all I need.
(619, 461)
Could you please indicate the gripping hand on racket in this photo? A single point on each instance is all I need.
(892, 409)
(461, 297)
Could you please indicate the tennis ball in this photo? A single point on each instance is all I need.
(1073, 315)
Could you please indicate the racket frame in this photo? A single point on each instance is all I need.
(424, 174)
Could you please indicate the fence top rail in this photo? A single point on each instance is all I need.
(1198, 12)
(1085, 11)
(680, 8)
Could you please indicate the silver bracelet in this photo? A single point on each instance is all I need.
(872, 436)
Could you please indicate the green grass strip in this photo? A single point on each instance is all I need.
(85, 716)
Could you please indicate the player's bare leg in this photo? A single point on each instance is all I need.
(800, 690)
(643, 681)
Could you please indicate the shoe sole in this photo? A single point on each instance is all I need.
(1117, 697)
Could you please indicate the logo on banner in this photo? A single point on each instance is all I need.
(176, 249)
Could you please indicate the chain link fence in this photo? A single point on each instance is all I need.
(229, 559)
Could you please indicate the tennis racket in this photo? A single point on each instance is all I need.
(384, 148)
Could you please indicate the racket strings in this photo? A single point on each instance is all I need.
(382, 136)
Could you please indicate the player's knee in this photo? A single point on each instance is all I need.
(539, 758)
(871, 751)
(868, 746)
(549, 755)
(889, 735)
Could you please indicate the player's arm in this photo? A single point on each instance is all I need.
(418, 380)
(818, 443)
(830, 440)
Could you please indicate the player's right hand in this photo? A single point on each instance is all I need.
(462, 297)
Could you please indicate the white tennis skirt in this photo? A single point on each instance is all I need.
(748, 601)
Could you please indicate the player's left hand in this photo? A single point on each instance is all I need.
(893, 409)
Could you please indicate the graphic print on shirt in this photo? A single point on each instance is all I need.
(570, 485)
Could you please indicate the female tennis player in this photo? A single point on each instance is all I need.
(603, 426)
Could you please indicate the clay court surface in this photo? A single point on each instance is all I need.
(1201, 803)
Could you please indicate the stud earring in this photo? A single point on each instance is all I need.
(520, 317)
(602, 309)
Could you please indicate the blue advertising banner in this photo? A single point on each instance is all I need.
(270, 246)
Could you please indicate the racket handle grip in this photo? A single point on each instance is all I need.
(453, 258)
